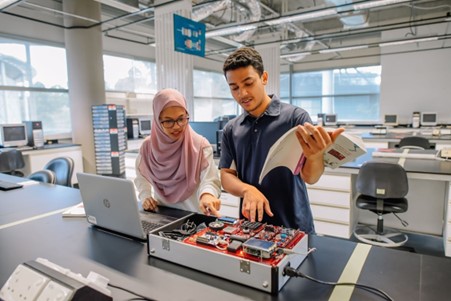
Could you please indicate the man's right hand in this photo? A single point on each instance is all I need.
(150, 204)
(255, 203)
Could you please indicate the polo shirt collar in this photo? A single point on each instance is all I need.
(272, 110)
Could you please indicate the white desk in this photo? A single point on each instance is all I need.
(332, 200)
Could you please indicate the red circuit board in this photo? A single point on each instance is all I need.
(221, 239)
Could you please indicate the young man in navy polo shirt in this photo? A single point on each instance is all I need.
(281, 199)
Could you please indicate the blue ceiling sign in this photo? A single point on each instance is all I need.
(189, 36)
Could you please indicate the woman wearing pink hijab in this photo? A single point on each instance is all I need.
(175, 165)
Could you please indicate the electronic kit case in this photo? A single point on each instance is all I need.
(256, 261)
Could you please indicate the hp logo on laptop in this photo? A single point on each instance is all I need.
(106, 203)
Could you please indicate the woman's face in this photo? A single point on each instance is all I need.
(174, 121)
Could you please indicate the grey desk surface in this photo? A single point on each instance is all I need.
(425, 166)
(72, 243)
(398, 136)
(31, 200)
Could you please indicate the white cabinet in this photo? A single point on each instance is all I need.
(331, 201)
(36, 159)
(230, 205)
(130, 161)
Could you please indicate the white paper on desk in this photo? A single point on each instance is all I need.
(75, 211)
(286, 151)
(28, 182)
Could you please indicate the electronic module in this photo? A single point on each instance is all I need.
(251, 253)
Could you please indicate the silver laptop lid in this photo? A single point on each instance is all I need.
(111, 203)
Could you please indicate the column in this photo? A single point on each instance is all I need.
(84, 51)
(328, 89)
(174, 69)
(271, 61)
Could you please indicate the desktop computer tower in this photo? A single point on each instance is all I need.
(218, 143)
(35, 133)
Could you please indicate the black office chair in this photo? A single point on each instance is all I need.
(44, 175)
(63, 167)
(10, 161)
(382, 188)
(414, 142)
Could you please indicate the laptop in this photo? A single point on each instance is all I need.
(111, 204)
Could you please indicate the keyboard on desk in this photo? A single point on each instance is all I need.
(4, 185)
(148, 226)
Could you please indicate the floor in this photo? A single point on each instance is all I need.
(421, 244)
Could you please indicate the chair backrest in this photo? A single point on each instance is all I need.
(382, 180)
(414, 142)
(10, 161)
(44, 175)
(63, 167)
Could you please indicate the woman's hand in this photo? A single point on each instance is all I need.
(150, 204)
(209, 204)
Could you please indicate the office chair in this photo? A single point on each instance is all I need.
(10, 161)
(414, 142)
(382, 188)
(44, 175)
(63, 167)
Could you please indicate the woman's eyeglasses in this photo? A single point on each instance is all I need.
(169, 123)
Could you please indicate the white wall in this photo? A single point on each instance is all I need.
(417, 81)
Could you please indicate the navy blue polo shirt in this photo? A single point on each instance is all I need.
(245, 144)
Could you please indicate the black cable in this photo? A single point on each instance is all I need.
(140, 297)
(289, 271)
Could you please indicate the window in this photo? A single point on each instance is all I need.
(129, 75)
(351, 93)
(131, 83)
(29, 89)
(285, 87)
(212, 97)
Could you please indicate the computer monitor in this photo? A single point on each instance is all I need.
(429, 119)
(13, 135)
(206, 128)
(391, 120)
(330, 119)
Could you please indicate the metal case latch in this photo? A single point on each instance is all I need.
(165, 244)
(245, 266)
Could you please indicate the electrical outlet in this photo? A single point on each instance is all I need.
(42, 280)
(55, 291)
(24, 284)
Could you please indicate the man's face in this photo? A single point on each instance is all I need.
(248, 89)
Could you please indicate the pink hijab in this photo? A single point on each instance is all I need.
(172, 167)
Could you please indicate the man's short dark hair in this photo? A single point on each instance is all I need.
(243, 57)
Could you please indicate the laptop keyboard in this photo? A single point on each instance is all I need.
(147, 226)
